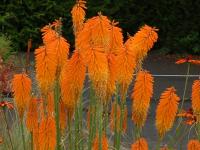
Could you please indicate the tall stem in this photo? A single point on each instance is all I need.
(100, 122)
(183, 98)
(23, 138)
(185, 86)
(69, 133)
(81, 123)
(92, 117)
(77, 129)
(32, 141)
(56, 103)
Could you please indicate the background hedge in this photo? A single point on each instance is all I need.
(178, 21)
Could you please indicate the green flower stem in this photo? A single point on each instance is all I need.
(69, 133)
(185, 86)
(100, 122)
(93, 116)
(57, 119)
(23, 137)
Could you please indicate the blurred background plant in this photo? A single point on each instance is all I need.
(5, 47)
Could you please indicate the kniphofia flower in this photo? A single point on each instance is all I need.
(72, 79)
(78, 15)
(193, 145)
(166, 110)
(136, 48)
(141, 96)
(21, 86)
(57, 43)
(94, 42)
(125, 67)
(140, 144)
(61, 48)
(51, 57)
(45, 68)
(142, 42)
(116, 46)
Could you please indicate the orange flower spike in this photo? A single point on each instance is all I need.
(100, 31)
(78, 15)
(72, 79)
(125, 67)
(45, 68)
(140, 144)
(32, 115)
(55, 43)
(142, 41)
(98, 73)
(95, 145)
(166, 110)
(141, 96)
(21, 86)
(48, 34)
(116, 39)
(95, 36)
(196, 98)
(47, 134)
(61, 48)
(94, 43)
(193, 145)
(116, 46)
